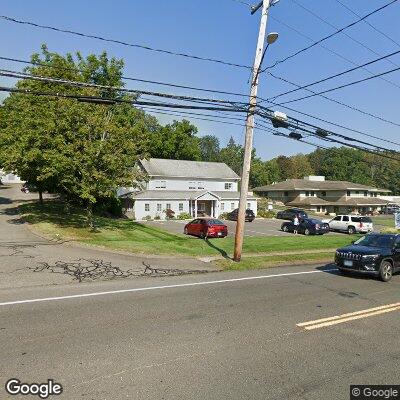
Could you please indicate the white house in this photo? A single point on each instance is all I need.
(8, 177)
(193, 187)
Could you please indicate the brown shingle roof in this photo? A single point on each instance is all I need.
(304, 184)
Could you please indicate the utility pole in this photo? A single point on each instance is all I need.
(248, 144)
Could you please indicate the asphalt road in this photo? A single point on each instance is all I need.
(213, 336)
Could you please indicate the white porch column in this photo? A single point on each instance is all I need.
(195, 208)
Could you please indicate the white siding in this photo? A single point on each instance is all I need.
(199, 184)
(140, 212)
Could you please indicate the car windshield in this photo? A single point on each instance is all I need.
(215, 222)
(385, 241)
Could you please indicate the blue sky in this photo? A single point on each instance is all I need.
(224, 29)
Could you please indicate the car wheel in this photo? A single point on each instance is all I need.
(386, 271)
(285, 228)
(351, 230)
(307, 231)
(185, 231)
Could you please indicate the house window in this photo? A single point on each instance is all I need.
(201, 207)
(192, 185)
(286, 194)
(312, 194)
(348, 193)
(147, 207)
(307, 193)
(228, 185)
(365, 194)
(159, 207)
(168, 207)
(248, 205)
(200, 185)
(222, 206)
(318, 209)
(180, 206)
(323, 194)
(232, 206)
(161, 184)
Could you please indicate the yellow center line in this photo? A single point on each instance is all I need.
(338, 319)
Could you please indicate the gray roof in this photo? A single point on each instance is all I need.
(304, 184)
(184, 195)
(187, 169)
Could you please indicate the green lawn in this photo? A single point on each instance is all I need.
(274, 261)
(54, 220)
(384, 221)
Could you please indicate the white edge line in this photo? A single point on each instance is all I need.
(75, 296)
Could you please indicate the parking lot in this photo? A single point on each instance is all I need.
(259, 227)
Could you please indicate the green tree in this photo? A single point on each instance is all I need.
(209, 148)
(232, 155)
(176, 141)
(84, 151)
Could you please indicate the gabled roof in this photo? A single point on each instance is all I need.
(304, 184)
(187, 169)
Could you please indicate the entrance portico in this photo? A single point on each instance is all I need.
(206, 204)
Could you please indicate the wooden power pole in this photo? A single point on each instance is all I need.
(248, 144)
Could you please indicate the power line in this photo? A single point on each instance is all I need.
(341, 56)
(186, 98)
(329, 36)
(337, 102)
(344, 86)
(369, 24)
(337, 74)
(344, 33)
(123, 43)
(238, 94)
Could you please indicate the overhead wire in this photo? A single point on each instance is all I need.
(304, 49)
(242, 95)
(336, 75)
(344, 33)
(343, 86)
(123, 43)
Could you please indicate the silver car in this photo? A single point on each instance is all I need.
(351, 224)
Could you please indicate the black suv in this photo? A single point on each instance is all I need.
(308, 226)
(375, 254)
(233, 215)
(290, 213)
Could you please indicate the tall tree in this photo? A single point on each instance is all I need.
(176, 141)
(209, 148)
(82, 150)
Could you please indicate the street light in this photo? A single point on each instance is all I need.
(272, 37)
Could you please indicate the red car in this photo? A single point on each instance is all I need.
(206, 227)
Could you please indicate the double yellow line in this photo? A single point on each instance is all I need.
(339, 319)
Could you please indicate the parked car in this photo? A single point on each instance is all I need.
(351, 224)
(308, 226)
(233, 215)
(290, 213)
(392, 209)
(206, 227)
(374, 254)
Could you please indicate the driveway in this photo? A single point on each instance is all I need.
(22, 254)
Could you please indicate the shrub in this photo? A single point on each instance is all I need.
(147, 218)
(223, 215)
(169, 214)
(184, 215)
(157, 217)
(109, 206)
(266, 214)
